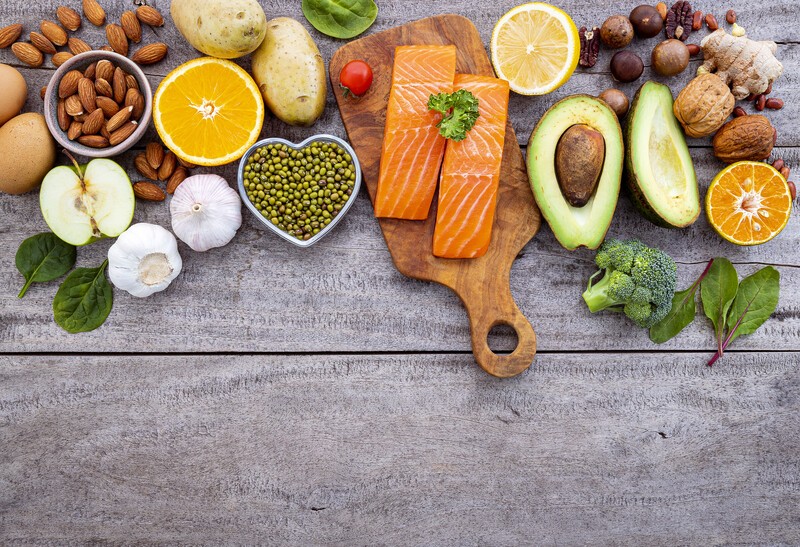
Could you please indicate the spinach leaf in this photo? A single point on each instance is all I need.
(682, 313)
(717, 291)
(340, 18)
(43, 257)
(754, 303)
(83, 300)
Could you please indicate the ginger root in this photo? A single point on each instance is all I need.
(743, 64)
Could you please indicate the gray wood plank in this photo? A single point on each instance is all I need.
(412, 450)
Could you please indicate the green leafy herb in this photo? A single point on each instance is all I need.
(459, 112)
(83, 300)
(755, 301)
(717, 291)
(340, 18)
(684, 308)
(43, 257)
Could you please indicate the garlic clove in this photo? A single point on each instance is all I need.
(206, 212)
(144, 260)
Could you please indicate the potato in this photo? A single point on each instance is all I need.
(28, 153)
(221, 28)
(290, 73)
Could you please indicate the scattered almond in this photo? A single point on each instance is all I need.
(118, 85)
(9, 34)
(103, 88)
(61, 115)
(154, 153)
(143, 167)
(41, 43)
(76, 46)
(130, 24)
(105, 48)
(104, 70)
(108, 105)
(117, 39)
(87, 95)
(119, 119)
(60, 58)
(27, 54)
(68, 17)
(167, 166)
(54, 32)
(93, 122)
(75, 130)
(69, 83)
(93, 141)
(186, 164)
(151, 53)
(180, 175)
(149, 16)
(73, 105)
(94, 12)
(148, 191)
(121, 134)
(43, 92)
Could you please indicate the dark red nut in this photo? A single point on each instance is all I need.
(778, 164)
(786, 172)
(711, 22)
(792, 190)
(730, 17)
(769, 89)
(761, 102)
(773, 104)
(697, 20)
(738, 112)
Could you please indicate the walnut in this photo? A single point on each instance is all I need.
(749, 138)
(679, 20)
(703, 105)
(590, 46)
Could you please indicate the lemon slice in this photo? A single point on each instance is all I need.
(535, 47)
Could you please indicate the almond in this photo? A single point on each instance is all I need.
(91, 71)
(87, 95)
(93, 122)
(69, 83)
(148, 191)
(131, 82)
(61, 115)
(43, 92)
(94, 12)
(107, 105)
(54, 32)
(76, 46)
(117, 39)
(28, 54)
(151, 53)
(104, 70)
(118, 85)
(9, 34)
(180, 175)
(186, 164)
(144, 168)
(68, 17)
(104, 131)
(167, 166)
(61, 57)
(41, 43)
(75, 130)
(130, 24)
(119, 119)
(134, 98)
(103, 88)
(73, 105)
(122, 134)
(80, 117)
(105, 48)
(154, 153)
(93, 141)
(149, 16)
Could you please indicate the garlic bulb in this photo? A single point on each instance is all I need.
(144, 260)
(206, 212)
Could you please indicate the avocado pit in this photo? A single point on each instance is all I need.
(579, 158)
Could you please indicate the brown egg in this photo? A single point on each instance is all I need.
(29, 152)
(13, 92)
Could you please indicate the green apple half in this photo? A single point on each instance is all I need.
(82, 209)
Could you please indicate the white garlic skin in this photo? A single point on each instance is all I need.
(144, 260)
(206, 212)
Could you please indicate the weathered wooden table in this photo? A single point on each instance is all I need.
(278, 395)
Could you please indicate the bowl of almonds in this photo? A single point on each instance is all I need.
(98, 104)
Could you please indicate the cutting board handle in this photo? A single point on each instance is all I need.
(488, 310)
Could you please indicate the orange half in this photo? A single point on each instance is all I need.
(748, 203)
(208, 111)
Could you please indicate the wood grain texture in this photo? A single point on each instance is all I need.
(363, 450)
(481, 283)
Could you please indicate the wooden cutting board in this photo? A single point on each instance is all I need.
(481, 283)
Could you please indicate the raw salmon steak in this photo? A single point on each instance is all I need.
(471, 174)
(412, 147)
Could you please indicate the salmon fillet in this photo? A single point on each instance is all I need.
(471, 174)
(412, 147)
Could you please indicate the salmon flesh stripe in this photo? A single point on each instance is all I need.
(471, 174)
(412, 147)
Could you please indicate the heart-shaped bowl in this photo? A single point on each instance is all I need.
(335, 220)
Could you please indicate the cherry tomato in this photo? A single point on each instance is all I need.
(355, 78)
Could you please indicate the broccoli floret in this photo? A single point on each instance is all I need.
(637, 280)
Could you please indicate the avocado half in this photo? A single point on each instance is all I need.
(659, 172)
(576, 226)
